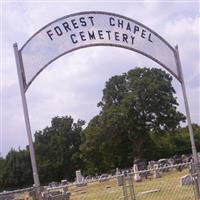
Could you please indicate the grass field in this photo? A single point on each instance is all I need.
(168, 185)
(24, 196)
(170, 188)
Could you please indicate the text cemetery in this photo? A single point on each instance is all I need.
(64, 29)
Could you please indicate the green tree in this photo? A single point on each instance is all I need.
(134, 106)
(105, 144)
(57, 149)
(16, 171)
(2, 172)
(174, 143)
(181, 140)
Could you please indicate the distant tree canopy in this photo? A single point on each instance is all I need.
(138, 119)
(57, 154)
(15, 170)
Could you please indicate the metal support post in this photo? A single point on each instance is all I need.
(194, 151)
(131, 186)
(124, 187)
(26, 117)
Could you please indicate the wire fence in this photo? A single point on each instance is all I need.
(21, 194)
(166, 183)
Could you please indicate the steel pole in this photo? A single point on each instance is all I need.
(26, 116)
(194, 150)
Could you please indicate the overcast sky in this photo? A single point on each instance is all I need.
(72, 85)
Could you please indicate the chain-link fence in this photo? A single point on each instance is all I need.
(21, 194)
(106, 188)
(167, 183)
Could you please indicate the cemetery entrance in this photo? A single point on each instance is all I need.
(87, 29)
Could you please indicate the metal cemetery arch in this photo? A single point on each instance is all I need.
(64, 32)
(85, 29)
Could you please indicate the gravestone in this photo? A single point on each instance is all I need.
(156, 173)
(151, 164)
(80, 179)
(186, 180)
(119, 177)
(103, 178)
(137, 176)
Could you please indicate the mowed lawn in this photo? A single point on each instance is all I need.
(168, 185)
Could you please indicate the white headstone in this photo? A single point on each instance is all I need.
(156, 173)
(119, 177)
(137, 176)
(79, 177)
(117, 171)
(80, 181)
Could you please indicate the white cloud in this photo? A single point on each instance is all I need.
(73, 84)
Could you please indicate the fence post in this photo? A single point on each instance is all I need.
(131, 187)
(125, 193)
(194, 150)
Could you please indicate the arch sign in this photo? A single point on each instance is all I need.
(86, 29)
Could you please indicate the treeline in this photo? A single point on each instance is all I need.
(138, 119)
(60, 153)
